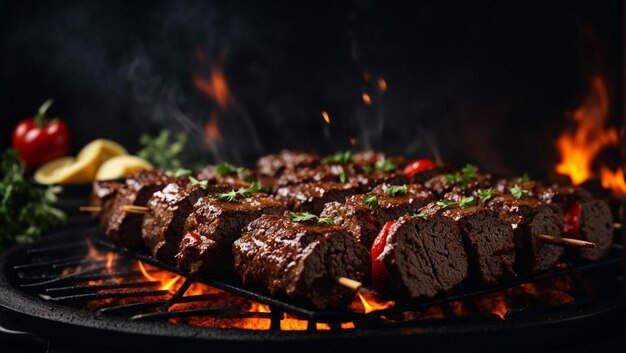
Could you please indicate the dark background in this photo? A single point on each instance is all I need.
(488, 83)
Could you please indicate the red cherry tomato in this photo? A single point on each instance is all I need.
(39, 140)
(417, 166)
(571, 221)
(379, 272)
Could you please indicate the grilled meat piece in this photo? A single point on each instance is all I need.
(272, 165)
(364, 222)
(325, 172)
(423, 257)
(241, 178)
(365, 182)
(300, 260)
(312, 197)
(123, 228)
(214, 226)
(488, 240)
(102, 195)
(440, 186)
(163, 225)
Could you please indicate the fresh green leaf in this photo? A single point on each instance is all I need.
(370, 200)
(234, 195)
(518, 192)
(179, 172)
(344, 157)
(385, 165)
(309, 217)
(228, 169)
(462, 178)
(202, 183)
(417, 215)
(446, 203)
(342, 177)
(524, 178)
(249, 178)
(469, 172)
(467, 201)
(368, 169)
(396, 190)
(26, 210)
(163, 151)
(485, 194)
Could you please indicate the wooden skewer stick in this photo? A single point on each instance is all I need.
(349, 283)
(90, 209)
(135, 209)
(617, 225)
(551, 239)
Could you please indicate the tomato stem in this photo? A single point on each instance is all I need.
(41, 113)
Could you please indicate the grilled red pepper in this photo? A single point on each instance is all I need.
(379, 272)
(571, 221)
(192, 239)
(39, 140)
(418, 166)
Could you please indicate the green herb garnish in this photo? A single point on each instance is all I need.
(368, 169)
(485, 194)
(396, 190)
(26, 210)
(446, 203)
(344, 157)
(233, 195)
(228, 169)
(385, 165)
(309, 217)
(179, 172)
(162, 151)
(518, 192)
(370, 200)
(524, 178)
(342, 177)
(417, 215)
(462, 178)
(202, 183)
(466, 201)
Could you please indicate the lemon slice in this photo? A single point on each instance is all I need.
(49, 172)
(122, 166)
(105, 149)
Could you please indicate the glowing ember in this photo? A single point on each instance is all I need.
(366, 98)
(326, 117)
(382, 84)
(579, 148)
(370, 303)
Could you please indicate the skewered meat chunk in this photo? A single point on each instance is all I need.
(272, 165)
(325, 172)
(488, 241)
(364, 222)
(163, 225)
(371, 158)
(226, 174)
(365, 182)
(312, 197)
(102, 195)
(464, 181)
(300, 260)
(212, 228)
(529, 218)
(422, 257)
(124, 229)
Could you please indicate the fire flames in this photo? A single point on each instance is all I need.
(215, 86)
(580, 147)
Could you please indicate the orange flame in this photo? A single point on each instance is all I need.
(366, 98)
(370, 303)
(167, 279)
(613, 180)
(382, 84)
(216, 87)
(326, 117)
(579, 148)
(212, 130)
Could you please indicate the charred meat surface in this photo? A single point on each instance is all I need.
(466, 180)
(423, 257)
(325, 172)
(488, 240)
(529, 218)
(365, 182)
(102, 195)
(226, 174)
(163, 225)
(213, 226)
(312, 197)
(300, 260)
(364, 221)
(124, 229)
(272, 165)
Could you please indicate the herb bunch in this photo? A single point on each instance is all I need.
(462, 178)
(26, 210)
(164, 151)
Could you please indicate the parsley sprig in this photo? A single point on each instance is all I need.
(466, 201)
(370, 200)
(225, 168)
(26, 210)
(385, 165)
(524, 178)
(162, 151)
(396, 190)
(518, 192)
(309, 217)
(463, 177)
(202, 183)
(417, 215)
(344, 157)
(234, 195)
(179, 172)
(485, 194)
